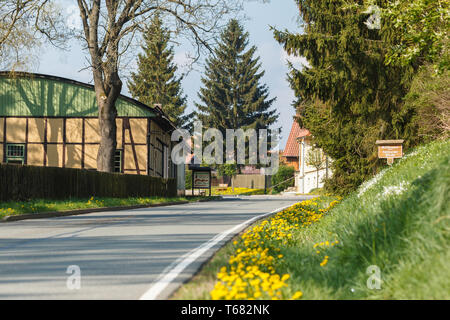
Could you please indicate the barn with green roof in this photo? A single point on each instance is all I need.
(52, 121)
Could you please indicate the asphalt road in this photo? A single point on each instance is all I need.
(133, 254)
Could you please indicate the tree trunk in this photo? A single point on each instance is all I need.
(108, 143)
(317, 178)
(107, 114)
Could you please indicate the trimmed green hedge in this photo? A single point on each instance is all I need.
(18, 183)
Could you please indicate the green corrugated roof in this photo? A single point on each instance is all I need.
(41, 95)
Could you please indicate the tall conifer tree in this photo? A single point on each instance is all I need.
(156, 81)
(347, 97)
(232, 96)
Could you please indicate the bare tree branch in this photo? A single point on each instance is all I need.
(110, 28)
(24, 24)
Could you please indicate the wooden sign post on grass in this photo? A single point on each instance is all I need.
(390, 150)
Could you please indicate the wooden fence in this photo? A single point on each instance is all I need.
(19, 182)
(251, 181)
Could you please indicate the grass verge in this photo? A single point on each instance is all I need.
(45, 205)
(395, 228)
(252, 265)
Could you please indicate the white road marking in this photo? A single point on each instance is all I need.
(174, 269)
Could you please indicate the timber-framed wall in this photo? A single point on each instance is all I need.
(54, 121)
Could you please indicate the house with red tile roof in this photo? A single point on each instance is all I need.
(298, 152)
(291, 153)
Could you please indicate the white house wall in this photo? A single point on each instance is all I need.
(308, 182)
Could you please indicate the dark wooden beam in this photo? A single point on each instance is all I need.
(133, 147)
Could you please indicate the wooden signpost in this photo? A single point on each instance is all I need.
(390, 150)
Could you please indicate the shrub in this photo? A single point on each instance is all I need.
(281, 181)
(188, 182)
(430, 98)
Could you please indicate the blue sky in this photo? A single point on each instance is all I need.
(281, 14)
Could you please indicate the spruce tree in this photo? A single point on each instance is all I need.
(347, 97)
(156, 81)
(232, 96)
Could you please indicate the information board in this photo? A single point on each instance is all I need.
(390, 152)
(201, 180)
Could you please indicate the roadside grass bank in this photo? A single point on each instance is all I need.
(318, 192)
(388, 240)
(252, 265)
(45, 205)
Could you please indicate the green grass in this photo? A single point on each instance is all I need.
(399, 221)
(201, 285)
(45, 205)
(318, 192)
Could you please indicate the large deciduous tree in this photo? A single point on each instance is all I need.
(109, 27)
(156, 81)
(418, 32)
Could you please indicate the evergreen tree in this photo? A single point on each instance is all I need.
(156, 81)
(347, 97)
(232, 96)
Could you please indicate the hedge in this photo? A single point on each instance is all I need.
(284, 173)
(21, 183)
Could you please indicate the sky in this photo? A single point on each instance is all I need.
(281, 14)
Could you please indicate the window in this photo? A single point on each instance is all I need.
(15, 153)
(118, 161)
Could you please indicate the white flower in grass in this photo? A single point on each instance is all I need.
(395, 190)
(370, 183)
(412, 154)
